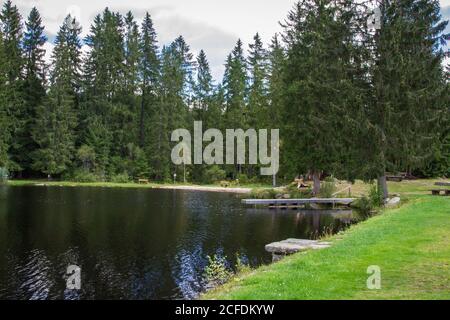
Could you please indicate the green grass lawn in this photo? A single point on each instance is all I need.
(410, 244)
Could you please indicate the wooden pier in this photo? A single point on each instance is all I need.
(296, 203)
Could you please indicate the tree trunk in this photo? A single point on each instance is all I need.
(382, 186)
(316, 180)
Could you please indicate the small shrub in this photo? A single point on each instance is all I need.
(301, 193)
(82, 175)
(296, 193)
(224, 183)
(364, 205)
(214, 174)
(235, 183)
(241, 266)
(368, 204)
(216, 272)
(263, 194)
(243, 178)
(375, 196)
(328, 188)
(120, 178)
(4, 174)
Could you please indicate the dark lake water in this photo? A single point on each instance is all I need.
(134, 243)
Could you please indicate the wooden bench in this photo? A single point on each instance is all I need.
(437, 192)
(143, 181)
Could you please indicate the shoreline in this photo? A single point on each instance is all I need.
(242, 190)
(205, 188)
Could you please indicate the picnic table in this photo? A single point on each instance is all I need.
(437, 192)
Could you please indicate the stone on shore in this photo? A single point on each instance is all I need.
(393, 202)
(290, 246)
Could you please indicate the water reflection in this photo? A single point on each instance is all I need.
(134, 243)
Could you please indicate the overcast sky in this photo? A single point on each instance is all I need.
(212, 25)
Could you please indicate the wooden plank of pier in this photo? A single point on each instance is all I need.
(297, 202)
(290, 246)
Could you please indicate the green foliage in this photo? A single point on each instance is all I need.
(13, 112)
(216, 272)
(416, 233)
(381, 105)
(214, 174)
(53, 133)
(409, 111)
(376, 196)
(296, 193)
(264, 193)
(328, 188)
(86, 156)
(243, 178)
(241, 266)
(257, 96)
(235, 83)
(364, 205)
(81, 175)
(369, 203)
(120, 178)
(321, 90)
(4, 174)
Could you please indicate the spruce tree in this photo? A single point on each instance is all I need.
(203, 90)
(410, 98)
(13, 66)
(53, 133)
(56, 118)
(129, 96)
(319, 88)
(235, 84)
(176, 84)
(257, 96)
(149, 72)
(202, 104)
(4, 117)
(65, 78)
(275, 86)
(105, 89)
(34, 83)
(132, 57)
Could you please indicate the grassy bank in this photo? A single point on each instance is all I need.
(183, 186)
(412, 187)
(410, 244)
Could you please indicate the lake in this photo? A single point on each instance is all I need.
(135, 243)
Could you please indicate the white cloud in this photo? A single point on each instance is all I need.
(210, 25)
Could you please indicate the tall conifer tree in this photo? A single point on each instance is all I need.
(257, 96)
(11, 25)
(56, 118)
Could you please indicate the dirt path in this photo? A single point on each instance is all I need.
(205, 188)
